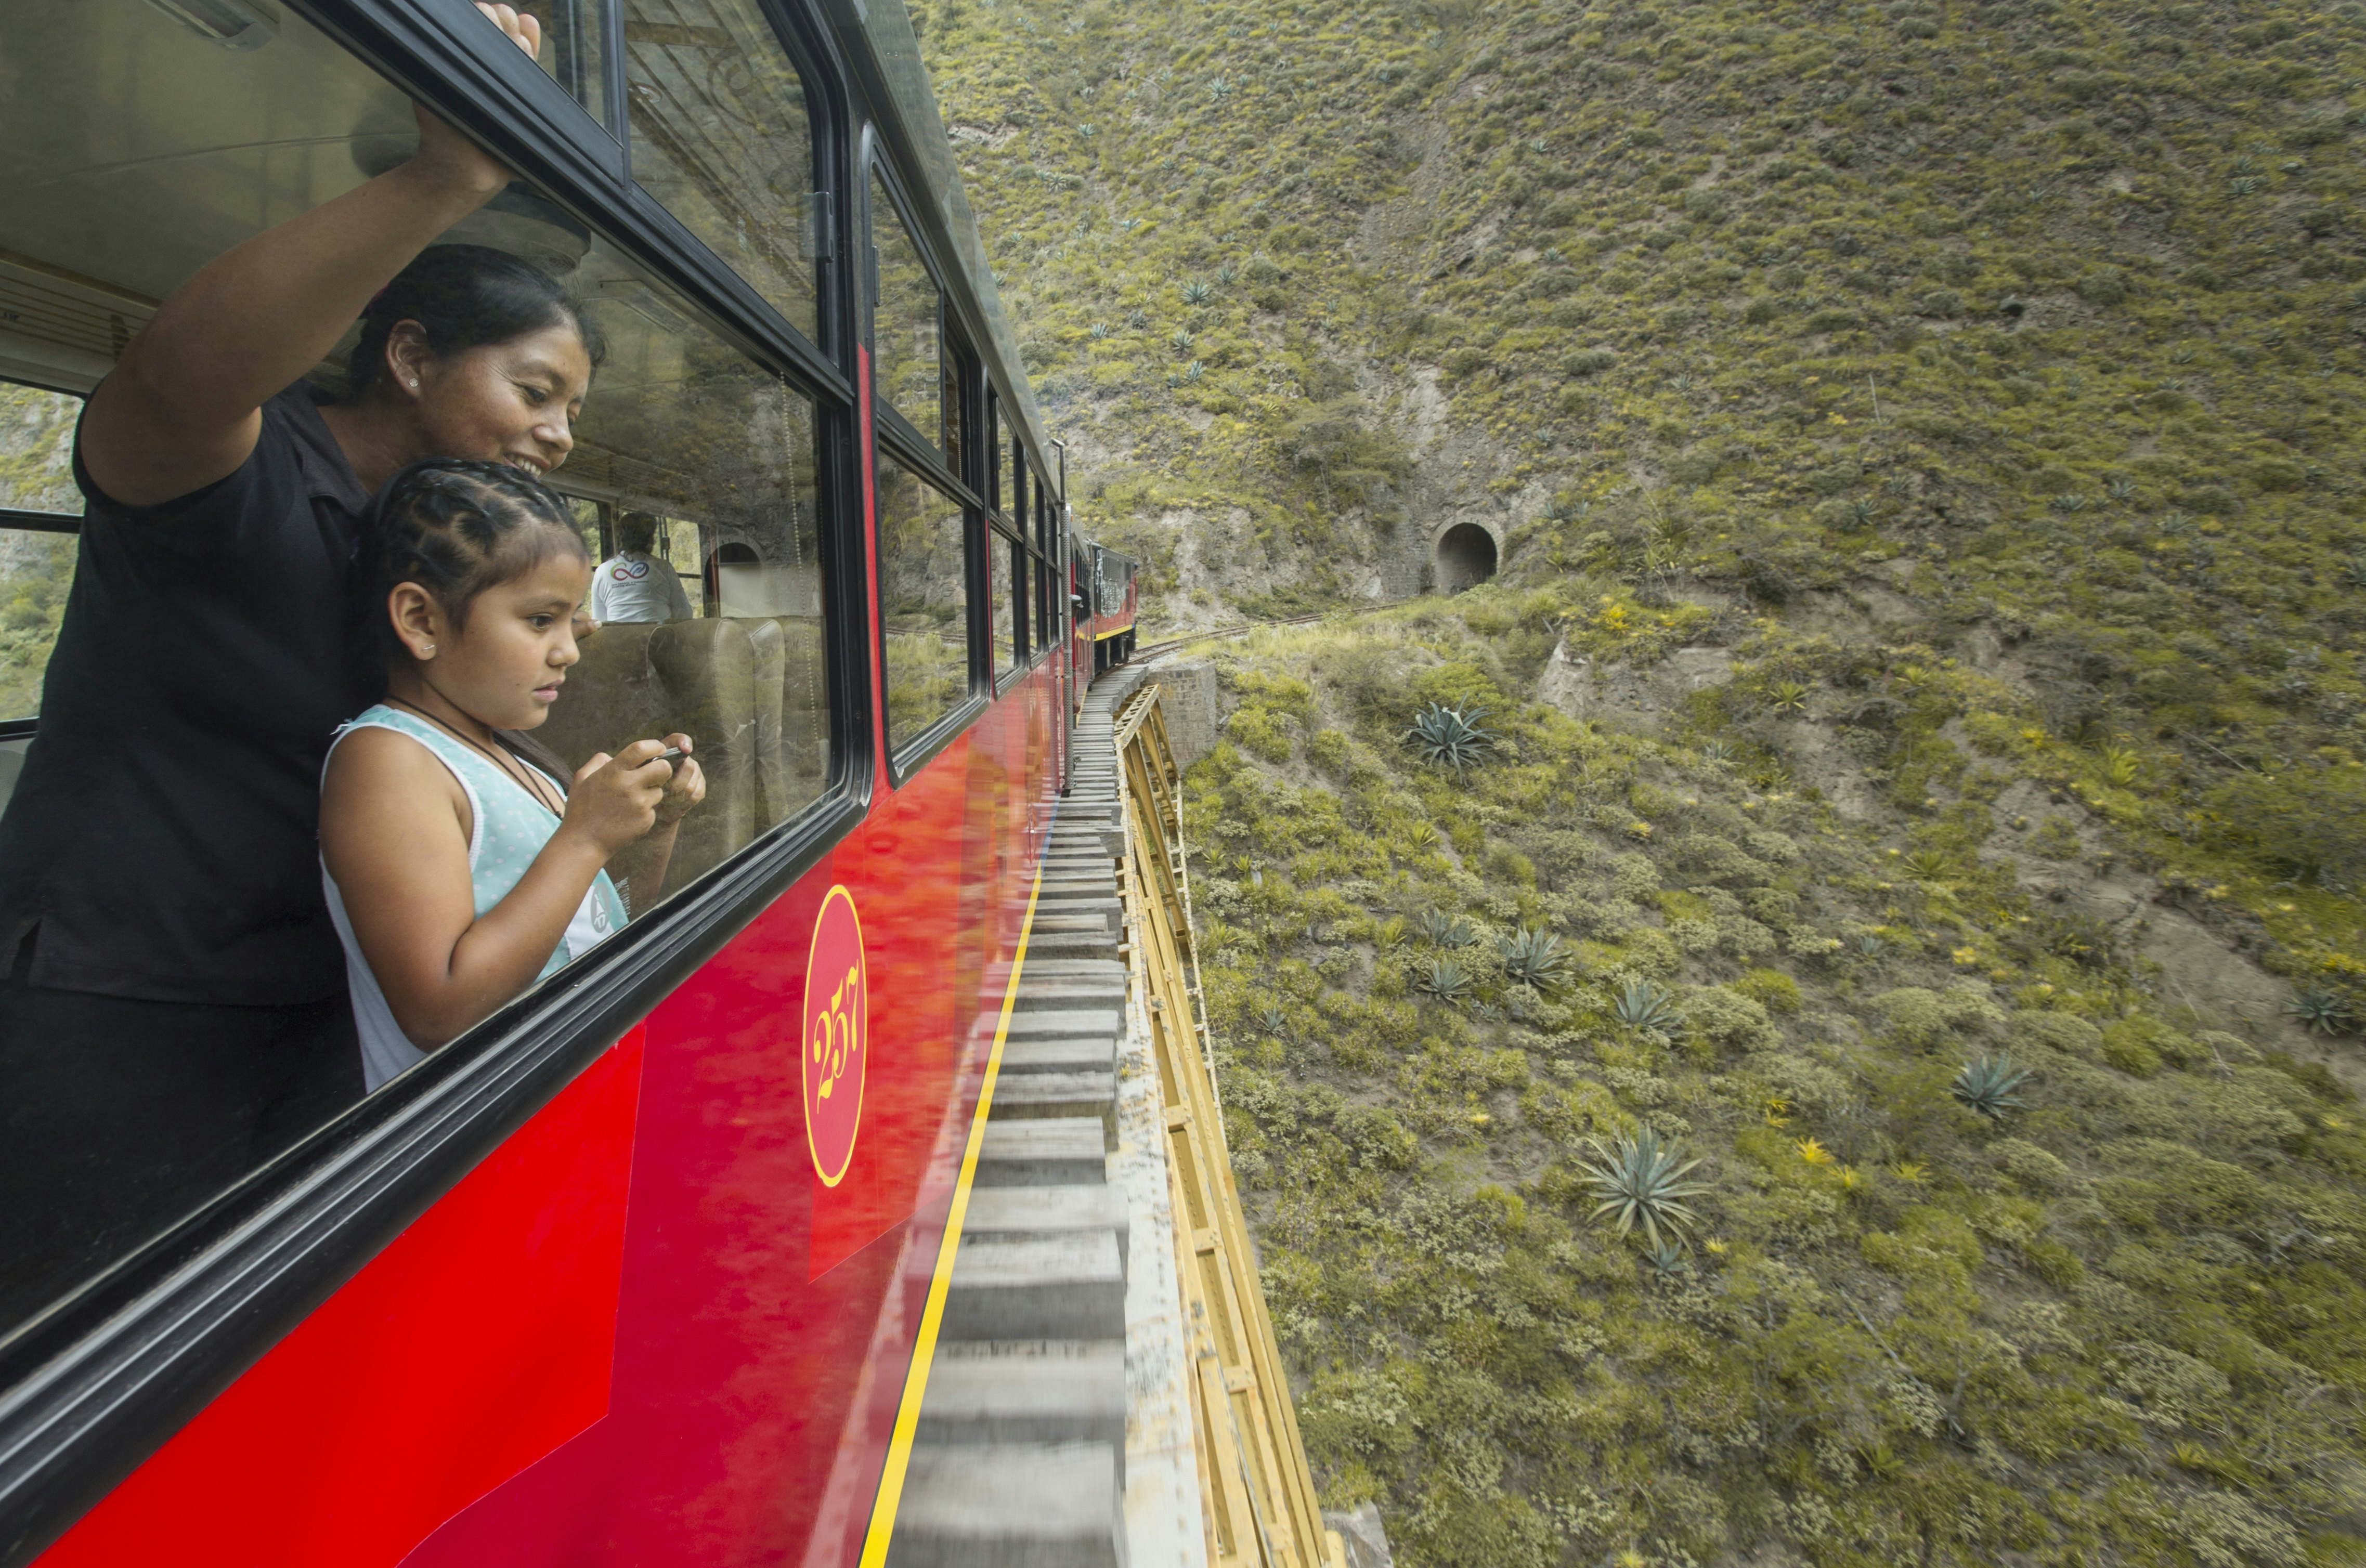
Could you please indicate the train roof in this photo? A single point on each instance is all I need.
(884, 55)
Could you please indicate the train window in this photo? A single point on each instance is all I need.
(997, 435)
(904, 327)
(1008, 599)
(140, 151)
(923, 601)
(36, 564)
(721, 136)
(715, 456)
(1046, 631)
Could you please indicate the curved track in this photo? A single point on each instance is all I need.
(1160, 650)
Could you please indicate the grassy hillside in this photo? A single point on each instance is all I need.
(1981, 382)
(2108, 1310)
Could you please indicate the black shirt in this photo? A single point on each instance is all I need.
(165, 836)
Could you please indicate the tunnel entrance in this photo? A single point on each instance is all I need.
(1466, 557)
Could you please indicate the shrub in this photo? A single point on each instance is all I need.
(2105, 287)
(1257, 732)
(1588, 362)
(1771, 989)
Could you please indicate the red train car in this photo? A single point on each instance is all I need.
(1103, 596)
(628, 1273)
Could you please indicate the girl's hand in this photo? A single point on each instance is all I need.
(688, 787)
(451, 158)
(615, 798)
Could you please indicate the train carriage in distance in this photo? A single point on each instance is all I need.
(611, 1278)
(1104, 601)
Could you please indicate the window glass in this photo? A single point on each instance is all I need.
(571, 34)
(37, 449)
(36, 565)
(956, 414)
(1009, 607)
(1043, 613)
(923, 601)
(997, 437)
(715, 456)
(904, 323)
(138, 152)
(1000, 632)
(721, 136)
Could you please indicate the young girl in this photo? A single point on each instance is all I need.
(457, 872)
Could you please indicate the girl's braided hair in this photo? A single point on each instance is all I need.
(456, 527)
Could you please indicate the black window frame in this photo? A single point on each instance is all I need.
(102, 1377)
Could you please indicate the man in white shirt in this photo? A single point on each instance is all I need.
(637, 583)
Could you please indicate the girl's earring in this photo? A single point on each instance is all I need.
(427, 650)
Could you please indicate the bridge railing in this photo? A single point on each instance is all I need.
(1258, 1492)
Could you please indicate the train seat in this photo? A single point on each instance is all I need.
(709, 671)
(747, 692)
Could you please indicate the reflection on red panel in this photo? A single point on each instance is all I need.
(480, 1340)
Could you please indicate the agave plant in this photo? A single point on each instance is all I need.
(1445, 979)
(1418, 839)
(2320, 1012)
(1272, 1018)
(1451, 737)
(1639, 1182)
(1227, 272)
(1444, 930)
(1717, 753)
(1788, 697)
(1099, 330)
(1197, 292)
(1642, 1005)
(1535, 958)
(1181, 339)
(1666, 1260)
(1927, 866)
(1988, 1086)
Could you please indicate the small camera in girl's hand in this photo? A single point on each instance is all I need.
(670, 754)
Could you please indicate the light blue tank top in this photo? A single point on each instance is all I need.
(507, 828)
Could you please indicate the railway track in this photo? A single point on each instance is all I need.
(1160, 650)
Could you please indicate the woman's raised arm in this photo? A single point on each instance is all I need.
(182, 407)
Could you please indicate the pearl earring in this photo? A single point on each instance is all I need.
(427, 650)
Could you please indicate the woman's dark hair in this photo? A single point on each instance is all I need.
(456, 527)
(464, 296)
